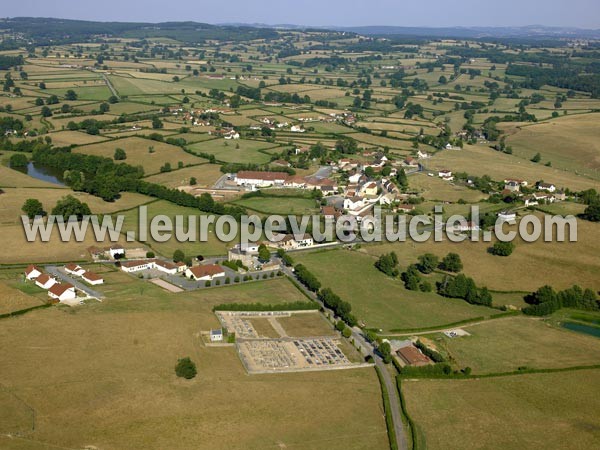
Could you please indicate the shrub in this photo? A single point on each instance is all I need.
(451, 263)
(502, 248)
(185, 368)
(150, 255)
(208, 283)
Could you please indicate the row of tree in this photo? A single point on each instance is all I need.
(546, 300)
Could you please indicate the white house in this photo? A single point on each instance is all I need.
(74, 269)
(62, 292)
(546, 187)
(352, 203)
(45, 281)
(205, 273)
(422, 155)
(92, 278)
(32, 272)
(507, 216)
(216, 335)
(297, 129)
(134, 266)
(116, 250)
(260, 179)
(444, 173)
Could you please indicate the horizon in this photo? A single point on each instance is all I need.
(582, 14)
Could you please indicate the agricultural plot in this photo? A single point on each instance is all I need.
(380, 301)
(277, 205)
(504, 345)
(240, 150)
(205, 174)
(151, 155)
(532, 411)
(141, 318)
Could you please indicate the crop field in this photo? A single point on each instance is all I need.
(149, 154)
(12, 299)
(506, 344)
(205, 174)
(538, 411)
(480, 160)
(303, 325)
(278, 205)
(380, 301)
(120, 337)
(240, 150)
(514, 273)
(570, 143)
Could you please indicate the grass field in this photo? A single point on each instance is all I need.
(310, 324)
(571, 143)
(380, 301)
(10, 178)
(12, 299)
(537, 411)
(138, 153)
(530, 266)
(276, 205)
(506, 344)
(206, 175)
(97, 368)
(481, 160)
(240, 150)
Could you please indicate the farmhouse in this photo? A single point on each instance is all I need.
(32, 272)
(412, 356)
(530, 200)
(370, 189)
(205, 273)
(169, 267)
(329, 212)
(45, 281)
(512, 186)
(74, 269)
(260, 179)
(246, 253)
(445, 173)
(62, 292)
(92, 278)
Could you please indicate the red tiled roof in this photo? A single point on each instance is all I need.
(412, 355)
(31, 268)
(91, 276)
(60, 289)
(209, 269)
(43, 278)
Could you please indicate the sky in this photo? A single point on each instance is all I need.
(432, 13)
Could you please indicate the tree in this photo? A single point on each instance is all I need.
(346, 332)
(120, 154)
(385, 350)
(387, 264)
(70, 206)
(150, 255)
(193, 181)
(104, 107)
(340, 325)
(536, 158)
(113, 99)
(178, 255)
(18, 160)
(185, 368)
(156, 123)
(502, 248)
(402, 179)
(427, 263)
(451, 263)
(591, 213)
(264, 255)
(33, 207)
(411, 278)
(46, 112)
(71, 95)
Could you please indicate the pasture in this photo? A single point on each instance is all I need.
(536, 411)
(380, 301)
(113, 363)
(235, 151)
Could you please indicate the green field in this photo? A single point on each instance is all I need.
(240, 150)
(279, 205)
(380, 301)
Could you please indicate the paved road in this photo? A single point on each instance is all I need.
(323, 172)
(59, 273)
(367, 350)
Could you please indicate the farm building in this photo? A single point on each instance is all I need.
(45, 281)
(116, 251)
(135, 266)
(412, 356)
(260, 179)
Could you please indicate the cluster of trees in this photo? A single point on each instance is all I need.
(18, 160)
(65, 207)
(426, 264)
(464, 287)
(340, 307)
(591, 198)
(546, 300)
(431, 354)
(502, 248)
(413, 281)
(185, 368)
(286, 97)
(387, 263)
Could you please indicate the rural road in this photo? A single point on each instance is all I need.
(110, 86)
(367, 349)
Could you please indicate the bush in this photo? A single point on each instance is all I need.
(451, 263)
(502, 248)
(150, 255)
(347, 332)
(185, 368)
(427, 263)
